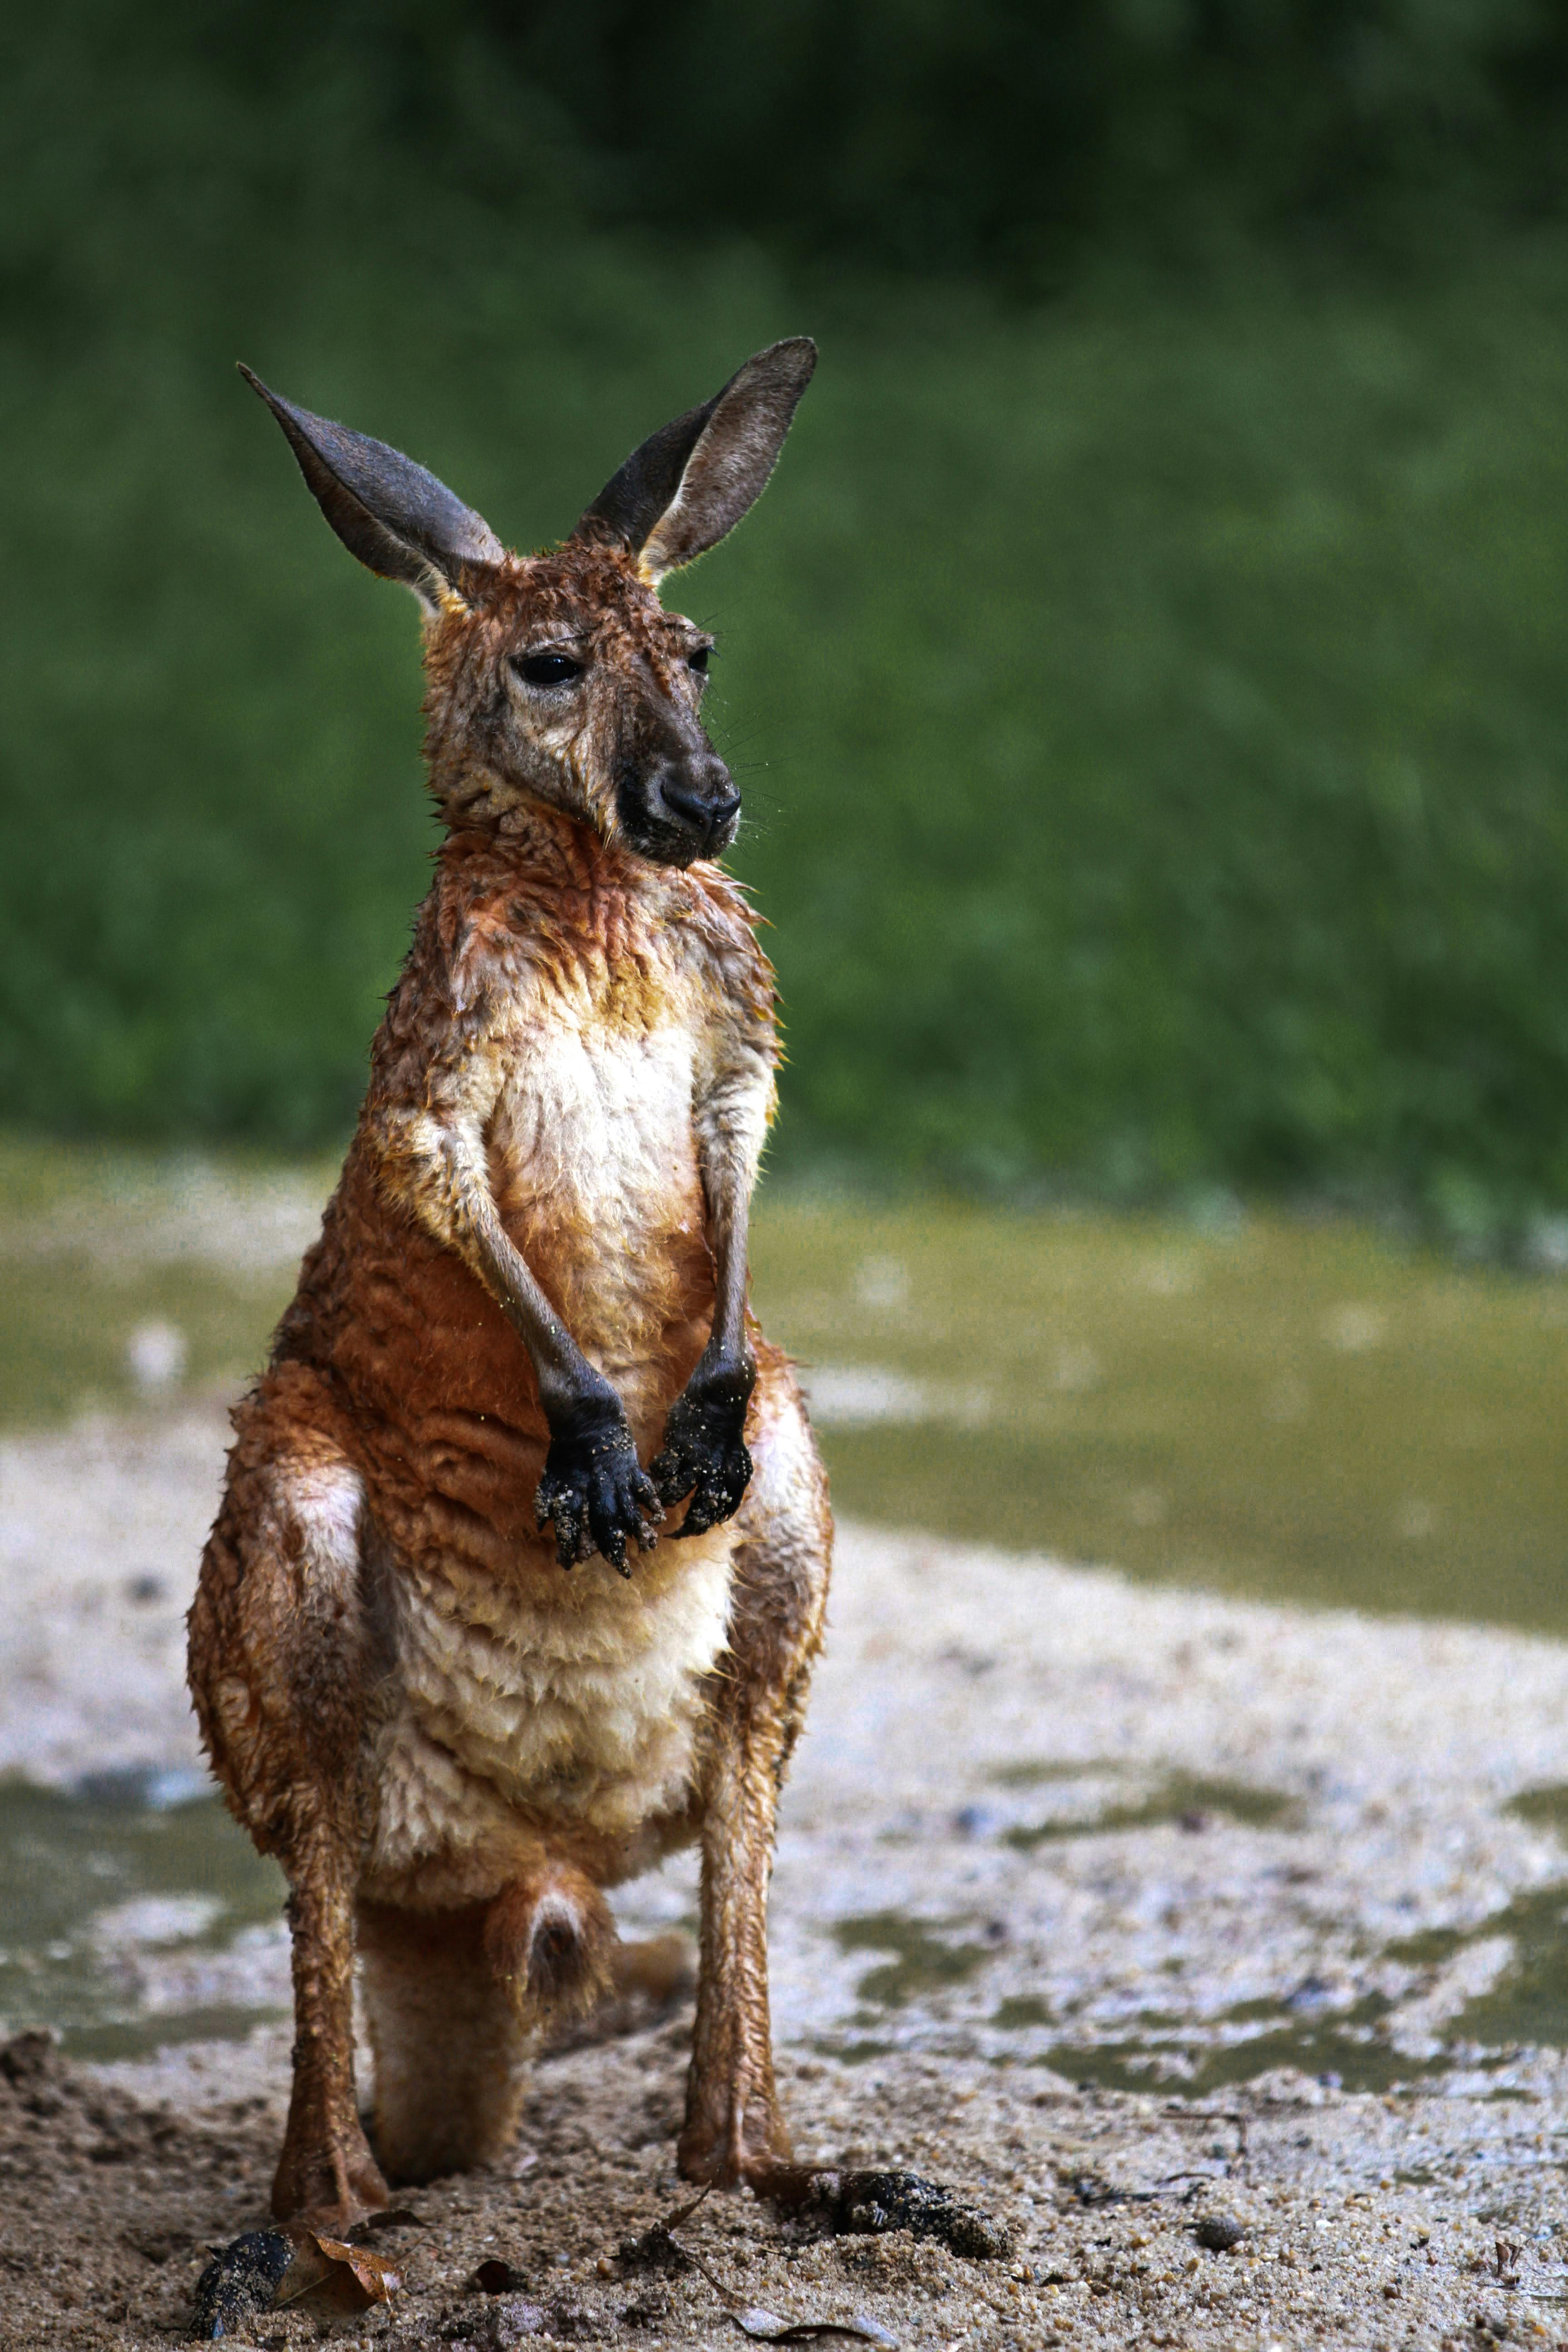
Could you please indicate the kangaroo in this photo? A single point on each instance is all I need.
(527, 1310)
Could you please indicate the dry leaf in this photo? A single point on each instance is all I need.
(766, 2327)
(351, 2277)
(374, 2272)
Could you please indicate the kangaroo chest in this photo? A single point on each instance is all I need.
(594, 1160)
(526, 1707)
(593, 1123)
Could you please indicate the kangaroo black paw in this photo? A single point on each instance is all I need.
(704, 1452)
(598, 1496)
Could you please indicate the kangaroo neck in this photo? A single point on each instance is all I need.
(547, 844)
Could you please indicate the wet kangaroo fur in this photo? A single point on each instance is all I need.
(521, 1560)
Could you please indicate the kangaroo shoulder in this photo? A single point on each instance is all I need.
(725, 924)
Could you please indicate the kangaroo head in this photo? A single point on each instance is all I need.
(560, 678)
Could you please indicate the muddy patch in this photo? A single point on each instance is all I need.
(1189, 1899)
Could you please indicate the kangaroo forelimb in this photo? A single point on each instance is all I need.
(593, 1489)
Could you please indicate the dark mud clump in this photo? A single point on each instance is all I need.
(864, 2204)
(238, 2283)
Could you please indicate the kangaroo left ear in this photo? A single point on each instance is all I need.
(690, 482)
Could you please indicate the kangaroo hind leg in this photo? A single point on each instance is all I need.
(733, 2129)
(282, 1660)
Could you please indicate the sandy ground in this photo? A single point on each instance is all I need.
(1254, 1866)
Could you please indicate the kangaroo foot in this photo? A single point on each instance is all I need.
(328, 2181)
(648, 1979)
(662, 1969)
(747, 2142)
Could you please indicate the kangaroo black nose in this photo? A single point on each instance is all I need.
(705, 799)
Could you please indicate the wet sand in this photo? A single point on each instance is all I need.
(1114, 1909)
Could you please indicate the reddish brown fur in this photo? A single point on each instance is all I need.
(380, 1498)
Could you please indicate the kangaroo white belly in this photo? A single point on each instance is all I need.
(570, 1707)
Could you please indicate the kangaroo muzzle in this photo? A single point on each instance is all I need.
(676, 806)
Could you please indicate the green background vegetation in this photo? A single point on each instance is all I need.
(1146, 673)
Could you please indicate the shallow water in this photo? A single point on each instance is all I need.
(112, 1896)
(1273, 1407)
(1173, 2041)
(138, 1915)
(1184, 1798)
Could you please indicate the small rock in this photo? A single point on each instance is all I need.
(1217, 2232)
(853, 2203)
(976, 1820)
(493, 2277)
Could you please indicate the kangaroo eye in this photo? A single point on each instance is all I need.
(698, 660)
(547, 669)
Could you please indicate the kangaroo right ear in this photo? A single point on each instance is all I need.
(391, 514)
(692, 481)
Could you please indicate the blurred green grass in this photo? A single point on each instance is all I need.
(1266, 1405)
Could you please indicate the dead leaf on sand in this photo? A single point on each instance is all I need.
(766, 2327)
(332, 2275)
